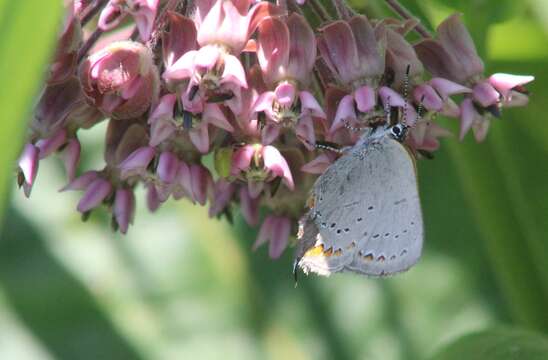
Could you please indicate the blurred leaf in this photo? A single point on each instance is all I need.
(57, 309)
(497, 344)
(497, 10)
(28, 31)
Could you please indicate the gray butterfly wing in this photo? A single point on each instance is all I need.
(367, 212)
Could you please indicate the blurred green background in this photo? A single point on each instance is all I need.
(183, 286)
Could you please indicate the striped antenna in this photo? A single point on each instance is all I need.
(406, 93)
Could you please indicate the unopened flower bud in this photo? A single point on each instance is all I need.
(121, 80)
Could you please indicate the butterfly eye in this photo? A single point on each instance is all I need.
(398, 132)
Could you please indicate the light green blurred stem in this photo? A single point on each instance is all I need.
(502, 235)
(28, 30)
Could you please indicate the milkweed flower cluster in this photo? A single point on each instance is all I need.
(251, 88)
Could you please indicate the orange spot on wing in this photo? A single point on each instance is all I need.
(314, 251)
(328, 252)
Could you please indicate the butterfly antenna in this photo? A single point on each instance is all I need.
(348, 126)
(420, 109)
(326, 145)
(406, 93)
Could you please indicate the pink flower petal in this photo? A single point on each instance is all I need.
(318, 165)
(275, 162)
(52, 144)
(337, 46)
(302, 49)
(365, 98)
(213, 115)
(153, 201)
(447, 88)
(280, 236)
(480, 129)
(311, 105)
(429, 98)
(168, 166)
(241, 159)
(391, 97)
(71, 157)
(264, 103)
(285, 94)
(467, 117)
(181, 69)
(270, 133)
(160, 131)
(82, 182)
(124, 208)
(255, 188)
(144, 18)
(345, 112)
(28, 163)
(265, 233)
(370, 51)
(305, 132)
(233, 71)
(273, 49)
(222, 195)
(200, 137)
(180, 39)
(137, 162)
(249, 207)
(201, 183)
(110, 17)
(504, 83)
(184, 179)
(164, 109)
(96, 192)
(485, 94)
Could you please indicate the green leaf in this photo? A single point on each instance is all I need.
(51, 302)
(497, 344)
(28, 31)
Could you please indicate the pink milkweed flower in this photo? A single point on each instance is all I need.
(453, 56)
(142, 11)
(214, 71)
(258, 164)
(286, 54)
(123, 210)
(168, 120)
(275, 230)
(354, 51)
(230, 22)
(121, 80)
(28, 167)
(180, 39)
